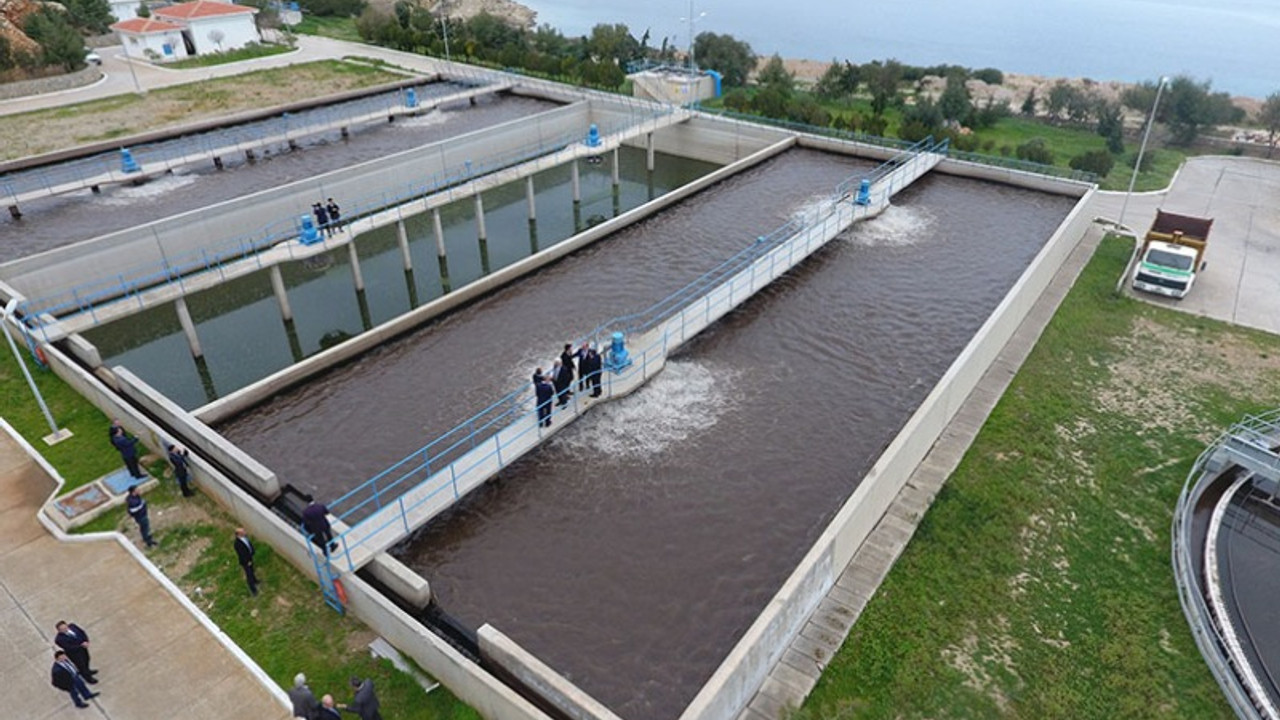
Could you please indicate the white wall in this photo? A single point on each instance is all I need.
(237, 31)
(125, 9)
(136, 46)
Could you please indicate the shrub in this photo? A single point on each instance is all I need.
(1098, 162)
(1036, 151)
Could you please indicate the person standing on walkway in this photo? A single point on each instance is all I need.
(591, 366)
(365, 703)
(567, 360)
(304, 701)
(128, 447)
(178, 458)
(66, 677)
(544, 392)
(75, 642)
(244, 553)
(327, 711)
(138, 511)
(335, 216)
(322, 217)
(315, 520)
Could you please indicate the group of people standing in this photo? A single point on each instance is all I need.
(305, 705)
(328, 216)
(179, 458)
(585, 363)
(72, 672)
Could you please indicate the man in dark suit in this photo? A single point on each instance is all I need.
(138, 511)
(128, 447)
(304, 701)
(328, 711)
(590, 367)
(178, 459)
(75, 642)
(544, 392)
(66, 677)
(244, 552)
(315, 520)
(562, 376)
(568, 360)
(365, 703)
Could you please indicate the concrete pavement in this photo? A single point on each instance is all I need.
(156, 653)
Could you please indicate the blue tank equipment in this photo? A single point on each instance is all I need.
(127, 163)
(864, 193)
(411, 98)
(617, 358)
(308, 235)
(593, 136)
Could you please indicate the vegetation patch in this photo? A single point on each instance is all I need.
(1039, 582)
(248, 52)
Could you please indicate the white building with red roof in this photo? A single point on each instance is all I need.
(204, 27)
(152, 39)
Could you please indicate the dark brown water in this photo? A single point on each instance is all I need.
(634, 549)
(55, 222)
(402, 395)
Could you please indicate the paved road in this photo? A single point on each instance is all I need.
(154, 655)
(1241, 284)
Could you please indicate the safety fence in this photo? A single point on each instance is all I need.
(394, 501)
(129, 285)
(866, 139)
(257, 134)
(1228, 667)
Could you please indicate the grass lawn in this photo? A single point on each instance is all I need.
(112, 117)
(84, 457)
(331, 27)
(287, 629)
(249, 52)
(1039, 583)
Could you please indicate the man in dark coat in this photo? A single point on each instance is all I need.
(335, 216)
(128, 447)
(244, 553)
(568, 359)
(328, 711)
(365, 703)
(178, 459)
(544, 391)
(66, 677)
(138, 511)
(322, 217)
(304, 701)
(562, 376)
(315, 520)
(594, 366)
(75, 641)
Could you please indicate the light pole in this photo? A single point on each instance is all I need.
(692, 19)
(444, 28)
(55, 435)
(1141, 150)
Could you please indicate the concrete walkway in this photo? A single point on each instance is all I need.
(157, 659)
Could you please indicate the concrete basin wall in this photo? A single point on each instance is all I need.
(737, 679)
(127, 255)
(718, 141)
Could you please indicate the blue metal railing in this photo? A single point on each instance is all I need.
(85, 297)
(425, 463)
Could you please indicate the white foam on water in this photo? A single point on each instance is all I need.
(681, 402)
(435, 117)
(150, 190)
(897, 226)
(809, 211)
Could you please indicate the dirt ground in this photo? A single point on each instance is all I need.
(128, 114)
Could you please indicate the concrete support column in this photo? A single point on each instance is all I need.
(528, 194)
(649, 152)
(188, 327)
(402, 236)
(617, 172)
(577, 183)
(356, 276)
(438, 226)
(282, 295)
(480, 231)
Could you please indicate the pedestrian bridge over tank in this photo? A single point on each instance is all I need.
(381, 512)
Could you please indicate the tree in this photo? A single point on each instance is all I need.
(613, 43)
(955, 103)
(1187, 107)
(771, 102)
(1061, 97)
(730, 57)
(144, 10)
(774, 75)
(838, 81)
(93, 16)
(1035, 150)
(1029, 105)
(60, 44)
(1269, 118)
(883, 80)
(1111, 125)
(990, 76)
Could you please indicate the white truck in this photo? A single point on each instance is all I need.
(1172, 254)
